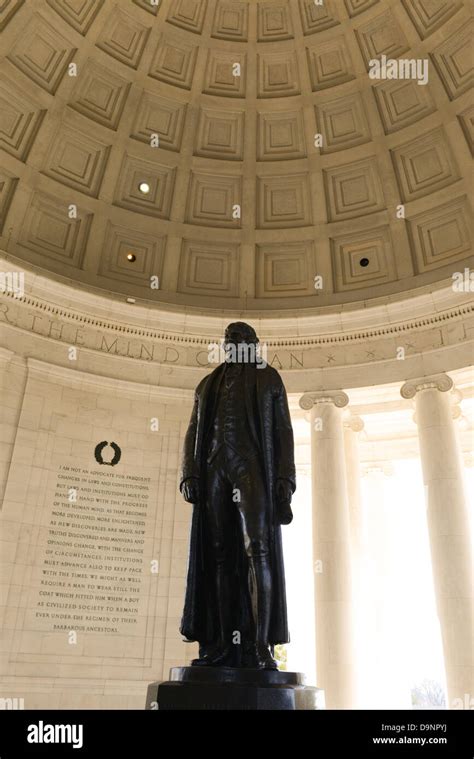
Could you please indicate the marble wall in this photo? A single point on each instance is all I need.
(93, 555)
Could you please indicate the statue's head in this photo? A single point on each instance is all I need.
(240, 343)
(240, 332)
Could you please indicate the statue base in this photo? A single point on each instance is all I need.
(233, 688)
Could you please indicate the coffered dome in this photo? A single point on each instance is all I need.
(233, 155)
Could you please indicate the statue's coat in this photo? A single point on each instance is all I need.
(270, 424)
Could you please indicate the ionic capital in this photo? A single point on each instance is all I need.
(338, 397)
(354, 423)
(374, 468)
(441, 382)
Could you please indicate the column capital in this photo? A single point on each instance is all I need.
(338, 397)
(441, 382)
(371, 468)
(468, 458)
(354, 423)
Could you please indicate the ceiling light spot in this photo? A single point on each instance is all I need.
(144, 188)
(364, 262)
(131, 257)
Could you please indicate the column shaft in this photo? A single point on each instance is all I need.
(449, 532)
(332, 557)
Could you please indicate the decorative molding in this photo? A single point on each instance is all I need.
(147, 6)
(284, 268)
(161, 116)
(8, 186)
(42, 54)
(440, 235)
(277, 75)
(188, 15)
(466, 119)
(453, 60)
(220, 134)
(123, 37)
(381, 35)
(8, 10)
(21, 120)
(219, 76)
(211, 199)
(78, 312)
(76, 160)
(160, 178)
(401, 103)
(78, 15)
(146, 343)
(342, 122)
(100, 95)
(360, 259)
(174, 63)
(283, 201)
(317, 18)
(148, 251)
(425, 164)
(353, 189)
(209, 267)
(354, 7)
(280, 136)
(428, 16)
(274, 22)
(329, 64)
(231, 20)
(48, 232)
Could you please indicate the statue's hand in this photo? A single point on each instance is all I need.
(190, 490)
(284, 492)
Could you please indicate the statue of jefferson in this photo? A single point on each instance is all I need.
(238, 472)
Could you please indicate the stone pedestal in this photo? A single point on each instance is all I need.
(222, 688)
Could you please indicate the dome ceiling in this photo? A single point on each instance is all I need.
(236, 155)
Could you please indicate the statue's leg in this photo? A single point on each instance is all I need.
(218, 526)
(255, 527)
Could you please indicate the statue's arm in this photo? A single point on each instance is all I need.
(284, 441)
(189, 466)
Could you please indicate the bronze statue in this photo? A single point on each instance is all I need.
(239, 473)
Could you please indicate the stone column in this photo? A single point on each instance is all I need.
(448, 525)
(331, 549)
(353, 425)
